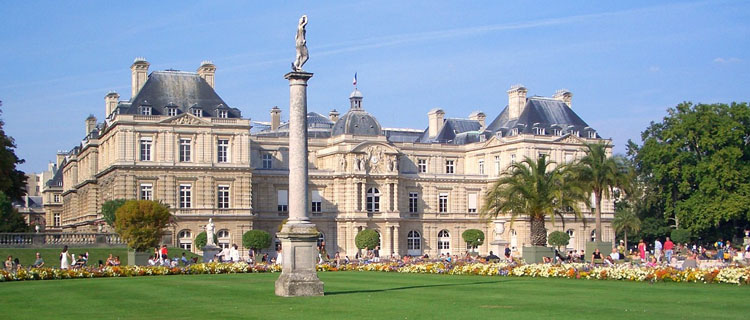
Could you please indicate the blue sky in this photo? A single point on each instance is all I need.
(625, 62)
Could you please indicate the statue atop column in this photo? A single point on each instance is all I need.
(302, 55)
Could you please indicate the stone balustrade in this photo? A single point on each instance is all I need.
(40, 240)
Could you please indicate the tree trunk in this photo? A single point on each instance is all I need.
(625, 231)
(598, 216)
(538, 231)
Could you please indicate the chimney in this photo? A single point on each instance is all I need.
(110, 102)
(90, 124)
(59, 158)
(275, 118)
(478, 116)
(516, 101)
(207, 70)
(565, 96)
(333, 115)
(139, 75)
(435, 118)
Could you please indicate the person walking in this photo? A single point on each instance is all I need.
(658, 249)
(668, 250)
(65, 258)
(642, 250)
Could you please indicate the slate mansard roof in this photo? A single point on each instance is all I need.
(184, 90)
(540, 112)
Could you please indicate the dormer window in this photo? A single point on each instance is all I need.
(172, 111)
(197, 112)
(557, 132)
(514, 132)
(576, 133)
(592, 134)
(539, 131)
(222, 114)
(144, 110)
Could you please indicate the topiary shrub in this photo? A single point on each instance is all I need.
(367, 238)
(109, 208)
(201, 240)
(473, 237)
(141, 223)
(680, 236)
(558, 239)
(256, 239)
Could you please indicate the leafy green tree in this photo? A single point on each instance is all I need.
(12, 180)
(600, 174)
(626, 221)
(10, 219)
(367, 238)
(201, 239)
(696, 164)
(680, 236)
(109, 208)
(559, 239)
(256, 239)
(141, 223)
(536, 189)
(473, 237)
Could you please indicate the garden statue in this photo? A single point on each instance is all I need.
(302, 56)
(210, 233)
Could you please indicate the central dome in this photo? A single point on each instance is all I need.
(357, 121)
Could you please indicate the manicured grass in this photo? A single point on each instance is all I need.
(52, 256)
(369, 295)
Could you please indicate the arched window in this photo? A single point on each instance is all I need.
(572, 235)
(444, 242)
(321, 239)
(223, 237)
(593, 235)
(414, 243)
(373, 200)
(185, 240)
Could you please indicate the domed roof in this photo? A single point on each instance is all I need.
(357, 122)
(355, 94)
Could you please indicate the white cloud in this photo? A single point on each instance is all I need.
(721, 60)
(654, 69)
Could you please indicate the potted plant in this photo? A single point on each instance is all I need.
(367, 239)
(140, 223)
(473, 238)
(256, 240)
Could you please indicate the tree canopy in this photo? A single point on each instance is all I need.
(367, 239)
(141, 223)
(559, 239)
(201, 239)
(537, 189)
(695, 165)
(109, 208)
(12, 180)
(256, 239)
(10, 219)
(473, 237)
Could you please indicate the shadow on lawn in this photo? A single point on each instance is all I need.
(415, 287)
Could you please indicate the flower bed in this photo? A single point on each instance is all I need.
(731, 275)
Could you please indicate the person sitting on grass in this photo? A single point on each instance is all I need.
(151, 260)
(184, 260)
(39, 262)
(9, 264)
(110, 261)
(117, 261)
(545, 260)
(652, 262)
(492, 257)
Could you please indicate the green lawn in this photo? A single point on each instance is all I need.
(52, 256)
(366, 295)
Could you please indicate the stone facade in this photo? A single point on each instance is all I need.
(420, 189)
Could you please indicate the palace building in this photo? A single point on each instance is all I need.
(176, 141)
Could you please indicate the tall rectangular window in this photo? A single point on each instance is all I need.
(422, 164)
(413, 204)
(267, 161)
(146, 149)
(222, 114)
(282, 198)
(472, 203)
(443, 203)
(186, 195)
(317, 201)
(56, 221)
(57, 198)
(185, 153)
(222, 197)
(449, 166)
(147, 191)
(512, 159)
(568, 157)
(481, 166)
(222, 150)
(497, 165)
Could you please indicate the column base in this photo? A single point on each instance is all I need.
(299, 259)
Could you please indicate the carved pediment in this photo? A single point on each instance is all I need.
(185, 119)
(569, 138)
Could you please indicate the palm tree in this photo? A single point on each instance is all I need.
(599, 174)
(626, 221)
(536, 189)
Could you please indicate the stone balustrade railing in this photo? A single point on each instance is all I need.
(37, 240)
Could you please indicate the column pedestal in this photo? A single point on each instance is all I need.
(300, 254)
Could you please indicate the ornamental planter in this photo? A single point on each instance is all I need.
(138, 258)
(536, 254)
(604, 247)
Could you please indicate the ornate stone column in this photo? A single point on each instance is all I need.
(298, 236)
